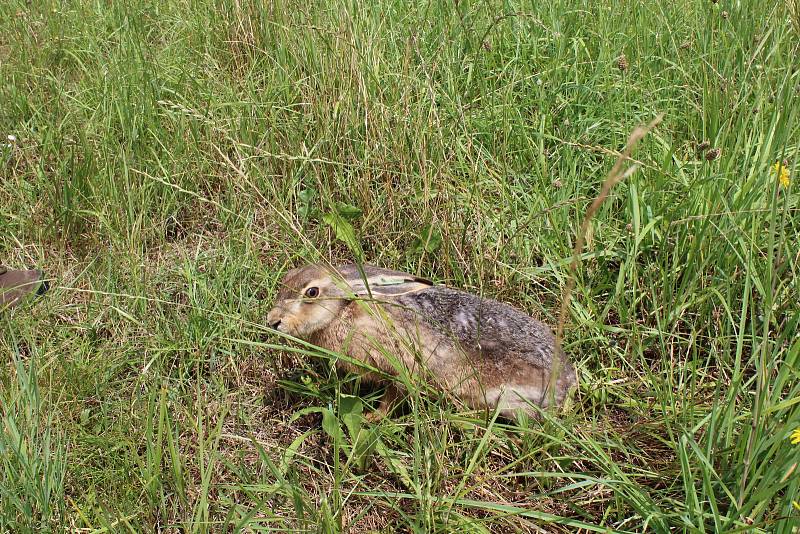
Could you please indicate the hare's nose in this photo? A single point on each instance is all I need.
(274, 318)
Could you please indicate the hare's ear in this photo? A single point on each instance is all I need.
(387, 285)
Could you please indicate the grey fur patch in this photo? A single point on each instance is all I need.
(495, 330)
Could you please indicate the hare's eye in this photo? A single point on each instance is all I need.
(312, 292)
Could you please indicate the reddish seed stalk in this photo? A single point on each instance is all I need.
(614, 177)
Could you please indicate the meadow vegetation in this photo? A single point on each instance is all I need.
(171, 159)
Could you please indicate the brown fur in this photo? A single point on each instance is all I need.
(485, 352)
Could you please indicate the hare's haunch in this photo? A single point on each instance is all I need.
(487, 353)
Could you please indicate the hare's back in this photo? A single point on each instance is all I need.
(515, 355)
(484, 326)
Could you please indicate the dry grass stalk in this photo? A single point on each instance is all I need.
(616, 175)
(794, 13)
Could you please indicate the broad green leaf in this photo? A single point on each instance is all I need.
(348, 211)
(429, 240)
(343, 230)
(330, 424)
(305, 204)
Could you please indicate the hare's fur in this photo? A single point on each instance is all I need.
(487, 353)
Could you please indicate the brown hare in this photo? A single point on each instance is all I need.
(488, 354)
(16, 284)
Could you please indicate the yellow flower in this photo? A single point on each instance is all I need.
(795, 436)
(782, 171)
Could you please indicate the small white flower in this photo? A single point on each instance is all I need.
(12, 138)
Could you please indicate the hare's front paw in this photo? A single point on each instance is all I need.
(376, 415)
(389, 399)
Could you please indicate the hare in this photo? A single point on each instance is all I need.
(16, 284)
(489, 354)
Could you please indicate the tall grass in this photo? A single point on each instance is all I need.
(32, 456)
(172, 159)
